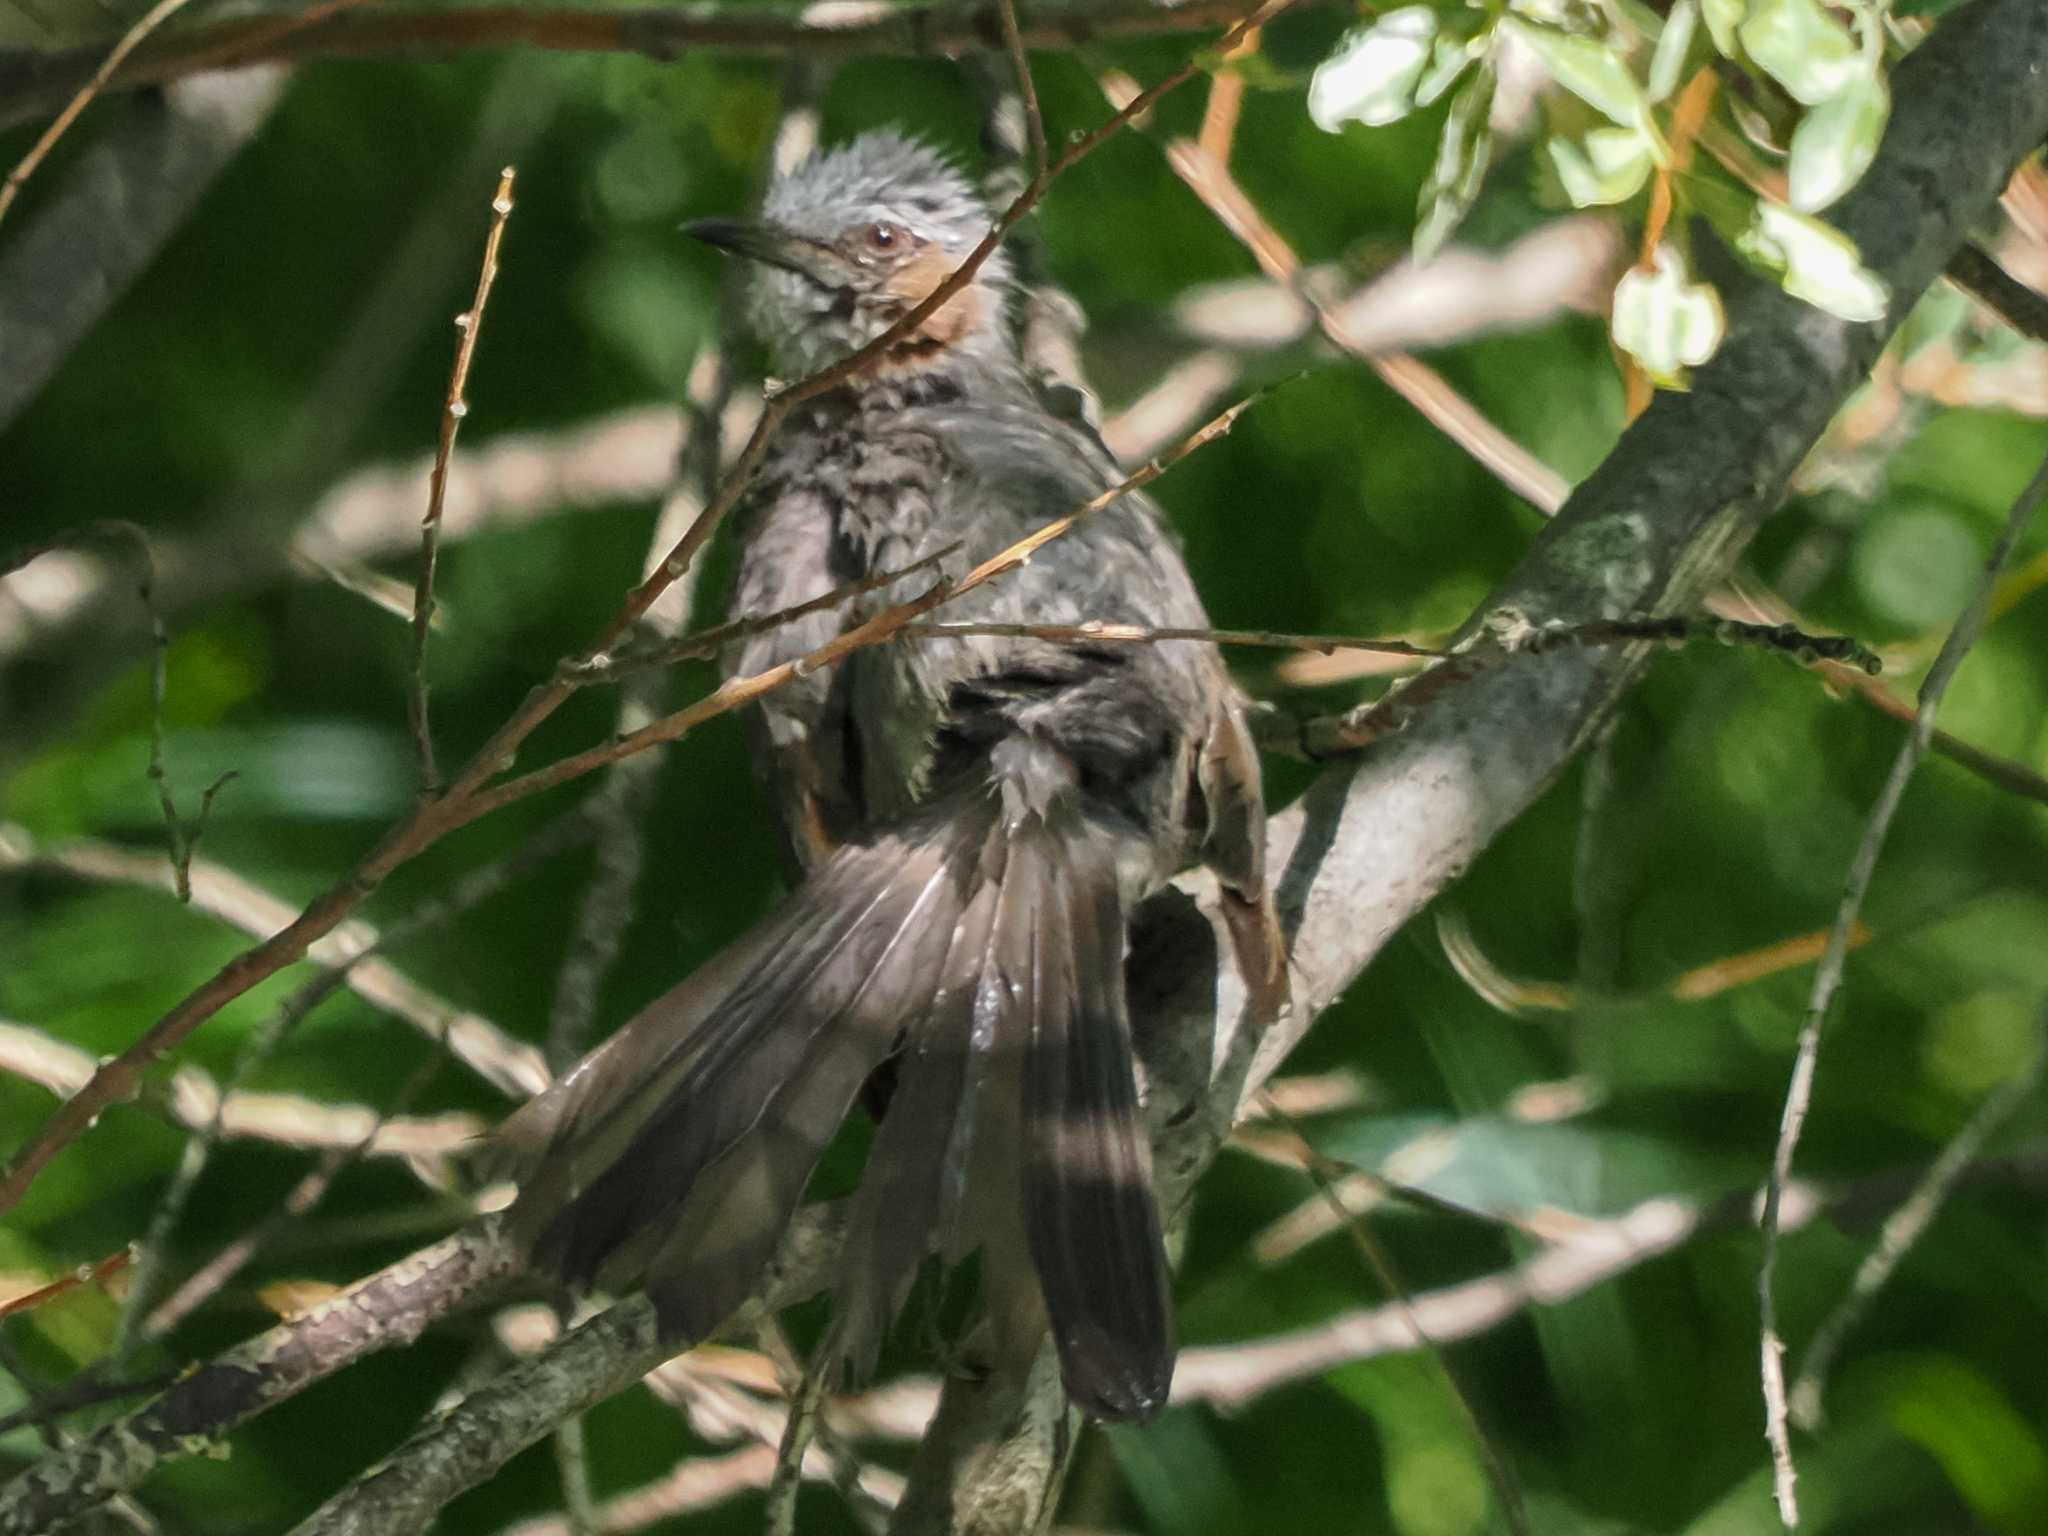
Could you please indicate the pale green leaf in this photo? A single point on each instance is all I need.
(1802, 47)
(1836, 141)
(1608, 166)
(1724, 18)
(1665, 321)
(1371, 77)
(1447, 61)
(1590, 70)
(1461, 159)
(1815, 262)
(1667, 64)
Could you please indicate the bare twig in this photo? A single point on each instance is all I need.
(1226, 100)
(1595, 1251)
(1500, 1471)
(469, 324)
(182, 847)
(212, 1277)
(283, 1119)
(572, 1459)
(797, 1434)
(349, 953)
(41, 81)
(1100, 632)
(149, 21)
(181, 843)
(632, 661)
(1827, 979)
(465, 797)
(382, 1311)
(691, 1485)
(1413, 380)
(1902, 1229)
(1034, 121)
(1983, 279)
(738, 691)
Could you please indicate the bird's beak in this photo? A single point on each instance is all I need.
(767, 244)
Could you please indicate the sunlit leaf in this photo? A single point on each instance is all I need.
(1665, 321)
(1815, 262)
(1448, 60)
(1608, 166)
(1590, 70)
(1723, 19)
(1461, 159)
(1667, 64)
(1836, 141)
(1371, 78)
(1802, 47)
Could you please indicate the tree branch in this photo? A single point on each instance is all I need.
(34, 82)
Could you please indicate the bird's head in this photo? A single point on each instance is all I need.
(852, 239)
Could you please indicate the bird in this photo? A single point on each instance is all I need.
(971, 821)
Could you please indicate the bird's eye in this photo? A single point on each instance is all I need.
(884, 237)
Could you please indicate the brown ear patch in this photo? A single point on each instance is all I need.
(913, 282)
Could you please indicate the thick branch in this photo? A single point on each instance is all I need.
(390, 1308)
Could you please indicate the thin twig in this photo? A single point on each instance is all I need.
(1101, 632)
(944, 29)
(1500, 1472)
(736, 692)
(189, 1100)
(1902, 1229)
(206, 1282)
(572, 1460)
(1226, 100)
(469, 324)
(349, 956)
(1827, 979)
(1034, 121)
(1597, 1250)
(150, 20)
(797, 1434)
(1983, 279)
(1410, 378)
(706, 643)
(181, 844)
(464, 799)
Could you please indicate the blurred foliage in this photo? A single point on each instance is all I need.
(1718, 820)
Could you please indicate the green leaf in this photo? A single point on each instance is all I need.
(1802, 47)
(1461, 160)
(1372, 75)
(1724, 18)
(1664, 321)
(1815, 262)
(1667, 64)
(1448, 60)
(1836, 141)
(1590, 70)
(1608, 166)
(1992, 1454)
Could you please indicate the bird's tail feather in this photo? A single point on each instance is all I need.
(982, 945)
